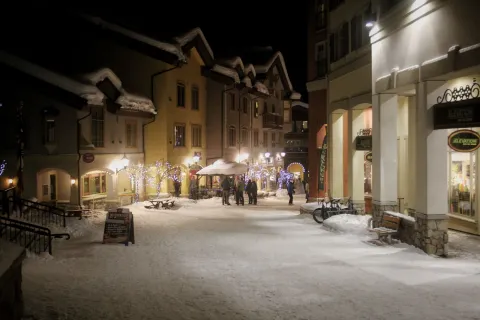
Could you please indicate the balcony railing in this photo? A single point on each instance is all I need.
(272, 121)
(296, 149)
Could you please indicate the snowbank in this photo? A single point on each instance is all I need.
(348, 223)
(282, 193)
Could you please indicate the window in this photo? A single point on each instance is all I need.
(49, 135)
(231, 101)
(245, 137)
(179, 133)
(265, 108)
(356, 33)
(195, 98)
(232, 136)
(255, 138)
(180, 95)
(320, 16)
(273, 108)
(196, 136)
(94, 183)
(131, 133)
(245, 105)
(274, 139)
(255, 109)
(265, 139)
(320, 59)
(98, 127)
(339, 43)
(331, 44)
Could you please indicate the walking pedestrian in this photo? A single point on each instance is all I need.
(307, 190)
(240, 190)
(254, 189)
(290, 192)
(248, 189)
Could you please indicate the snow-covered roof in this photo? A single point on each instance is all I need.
(250, 68)
(234, 62)
(126, 100)
(264, 68)
(189, 36)
(231, 73)
(168, 47)
(300, 104)
(222, 167)
(261, 88)
(90, 93)
(247, 81)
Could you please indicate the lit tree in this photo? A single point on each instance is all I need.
(137, 173)
(162, 170)
(3, 166)
(283, 178)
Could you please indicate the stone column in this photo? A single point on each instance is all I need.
(356, 159)
(431, 204)
(384, 164)
(335, 154)
(412, 168)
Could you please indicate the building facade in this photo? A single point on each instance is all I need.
(317, 64)
(425, 89)
(296, 141)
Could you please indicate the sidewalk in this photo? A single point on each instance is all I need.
(463, 245)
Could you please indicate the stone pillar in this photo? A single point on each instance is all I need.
(431, 204)
(384, 163)
(356, 159)
(335, 155)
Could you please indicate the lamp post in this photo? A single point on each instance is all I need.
(123, 164)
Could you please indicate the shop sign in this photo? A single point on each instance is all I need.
(363, 143)
(368, 156)
(464, 141)
(88, 157)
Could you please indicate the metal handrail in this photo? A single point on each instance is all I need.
(40, 239)
(44, 214)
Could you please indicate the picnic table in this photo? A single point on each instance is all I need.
(164, 204)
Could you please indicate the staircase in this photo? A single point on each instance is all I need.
(26, 222)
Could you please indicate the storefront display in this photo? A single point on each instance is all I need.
(462, 196)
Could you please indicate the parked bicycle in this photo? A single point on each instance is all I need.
(326, 210)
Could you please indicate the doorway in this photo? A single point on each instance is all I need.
(462, 181)
(53, 187)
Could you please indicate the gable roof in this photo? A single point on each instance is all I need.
(91, 94)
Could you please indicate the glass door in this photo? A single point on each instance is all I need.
(462, 180)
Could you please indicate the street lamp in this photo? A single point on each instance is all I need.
(123, 164)
(267, 154)
(282, 154)
(196, 159)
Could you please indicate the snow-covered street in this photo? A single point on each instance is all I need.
(207, 261)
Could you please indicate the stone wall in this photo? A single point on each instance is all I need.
(11, 297)
(359, 206)
(431, 233)
(377, 212)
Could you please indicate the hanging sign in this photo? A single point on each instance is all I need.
(368, 156)
(464, 141)
(119, 227)
(88, 157)
(323, 165)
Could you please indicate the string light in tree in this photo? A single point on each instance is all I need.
(162, 171)
(138, 173)
(284, 176)
(3, 166)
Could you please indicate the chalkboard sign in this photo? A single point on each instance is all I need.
(119, 227)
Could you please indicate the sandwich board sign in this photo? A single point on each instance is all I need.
(119, 227)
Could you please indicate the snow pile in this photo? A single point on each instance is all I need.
(221, 167)
(348, 223)
(296, 96)
(261, 88)
(282, 193)
(87, 92)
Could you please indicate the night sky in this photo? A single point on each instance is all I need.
(229, 27)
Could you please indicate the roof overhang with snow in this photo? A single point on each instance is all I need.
(278, 61)
(196, 39)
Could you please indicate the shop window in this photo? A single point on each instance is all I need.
(462, 197)
(94, 184)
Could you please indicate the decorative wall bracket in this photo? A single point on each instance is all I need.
(460, 94)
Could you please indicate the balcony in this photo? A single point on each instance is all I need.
(289, 150)
(272, 121)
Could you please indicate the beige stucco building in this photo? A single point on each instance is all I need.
(425, 60)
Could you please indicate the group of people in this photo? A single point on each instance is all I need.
(239, 188)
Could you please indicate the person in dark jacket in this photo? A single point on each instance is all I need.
(290, 191)
(178, 186)
(254, 190)
(248, 189)
(226, 191)
(240, 189)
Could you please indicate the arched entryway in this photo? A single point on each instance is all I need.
(297, 169)
(55, 185)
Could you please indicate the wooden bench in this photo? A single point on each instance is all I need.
(388, 226)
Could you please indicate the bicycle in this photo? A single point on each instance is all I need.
(319, 215)
(350, 206)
